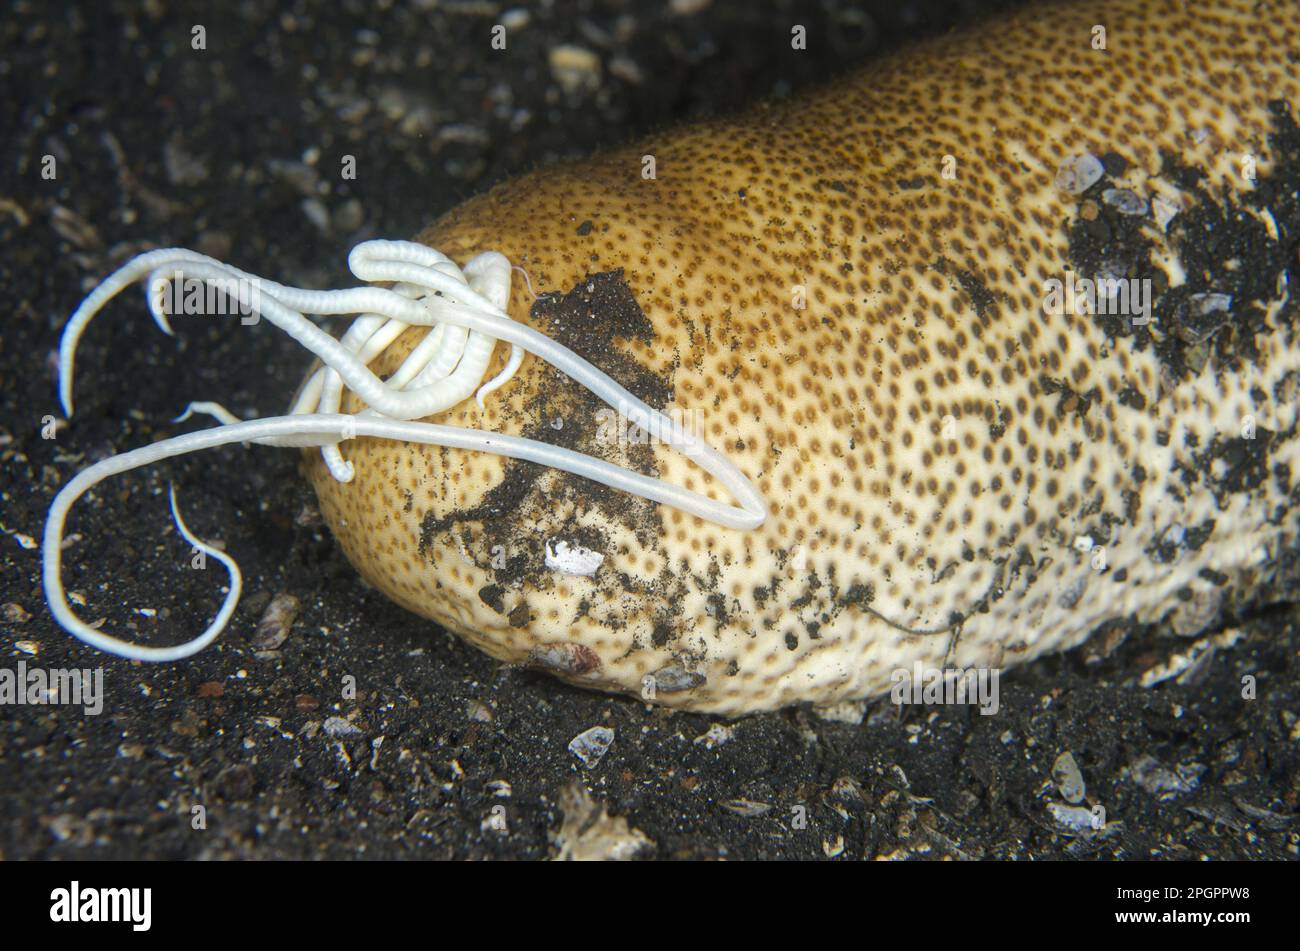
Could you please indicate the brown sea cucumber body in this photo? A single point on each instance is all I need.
(846, 291)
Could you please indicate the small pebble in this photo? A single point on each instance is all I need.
(575, 68)
(1074, 818)
(349, 216)
(183, 167)
(1114, 163)
(590, 746)
(516, 18)
(715, 736)
(1124, 201)
(316, 213)
(236, 782)
(675, 677)
(1159, 781)
(626, 69)
(1201, 315)
(277, 620)
(1164, 211)
(847, 788)
(210, 690)
(338, 728)
(1078, 173)
(747, 807)
(1068, 778)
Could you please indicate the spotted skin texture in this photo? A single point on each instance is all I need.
(936, 450)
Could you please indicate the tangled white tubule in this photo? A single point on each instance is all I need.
(465, 313)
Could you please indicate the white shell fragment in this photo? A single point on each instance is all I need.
(590, 746)
(1078, 173)
(572, 559)
(1165, 783)
(1164, 211)
(589, 833)
(1068, 778)
(1201, 315)
(276, 622)
(1124, 201)
(1073, 818)
(715, 736)
(340, 728)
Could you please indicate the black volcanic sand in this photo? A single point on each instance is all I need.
(236, 150)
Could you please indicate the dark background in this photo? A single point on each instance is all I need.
(235, 151)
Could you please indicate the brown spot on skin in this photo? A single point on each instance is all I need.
(931, 443)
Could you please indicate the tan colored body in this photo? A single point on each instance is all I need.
(934, 447)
